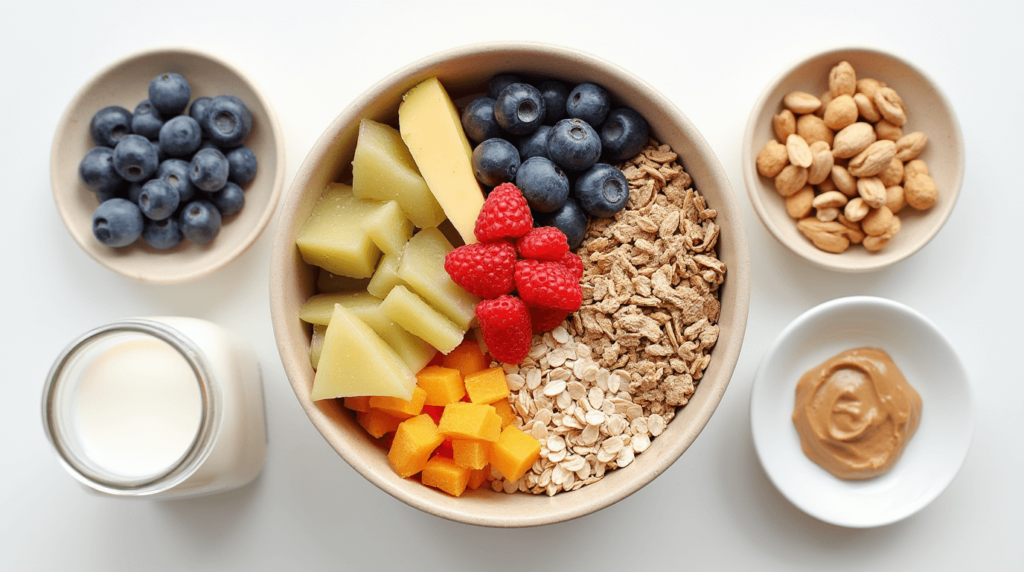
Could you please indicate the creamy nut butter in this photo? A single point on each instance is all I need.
(855, 413)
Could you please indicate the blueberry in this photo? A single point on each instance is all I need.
(134, 190)
(110, 125)
(555, 94)
(543, 183)
(199, 108)
(241, 164)
(147, 121)
(500, 82)
(207, 144)
(519, 109)
(98, 173)
(227, 122)
(570, 219)
(589, 102)
(200, 221)
(175, 172)
(160, 155)
(104, 196)
(208, 170)
(478, 120)
(535, 144)
(623, 135)
(602, 190)
(228, 200)
(135, 158)
(162, 234)
(180, 136)
(169, 93)
(117, 223)
(495, 161)
(574, 145)
(158, 199)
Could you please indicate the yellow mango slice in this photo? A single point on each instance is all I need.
(383, 170)
(470, 421)
(412, 313)
(443, 385)
(398, 407)
(466, 358)
(388, 228)
(505, 411)
(415, 439)
(514, 453)
(471, 454)
(478, 477)
(334, 239)
(442, 473)
(377, 423)
(386, 277)
(422, 268)
(319, 309)
(431, 127)
(487, 386)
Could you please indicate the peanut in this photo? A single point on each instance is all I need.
(866, 108)
(872, 191)
(790, 180)
(828, 184)
(844, 181)
(914, 167)
(890, 105)
(772, 158)
(853, 230)
(827, 214)
(892, 174)
(856, 209)
(873, 160)
(798, 150)
(920, 191)
(829, 200)
(784, 124)
(825, 97)
(798, 205)
(877, 221)
(821, 163)
(842, 80)
(910, 146)
(841, 111)
(869, 86)
(852, 139)
(875, 243)
(828, 236)
(812, 128)
(886, 130)
(894, 198)
(800, 102)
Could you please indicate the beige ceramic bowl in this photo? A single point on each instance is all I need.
(928, 111)
(126, 83)
(465, 71)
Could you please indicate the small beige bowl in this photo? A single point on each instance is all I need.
(126, 83)
(928, 111)
(464, 71)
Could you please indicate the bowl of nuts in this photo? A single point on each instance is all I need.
(613, 390)
(853, 159)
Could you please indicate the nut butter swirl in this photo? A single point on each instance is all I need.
(855, 413)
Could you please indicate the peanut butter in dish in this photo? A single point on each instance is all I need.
(855, 413)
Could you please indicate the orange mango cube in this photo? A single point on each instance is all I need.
(470, 421)
(415, 440)
(467, 358)
(504, 409)
(444, 474)
(471, 454)
(487, 386)
(514, 453)
(478, 477)
(442, 384)
(377, 423)
(398, 407)
(361, 403)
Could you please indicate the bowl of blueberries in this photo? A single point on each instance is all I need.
(167, 165)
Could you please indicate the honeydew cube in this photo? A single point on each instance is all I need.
(319, 309)
(443, 473)
(398, 407)
(415, 440)
(418, 318)
(383, 170)
(377, 423)
(474, 421)
(358, 403)
(431, 127)
(334, 239)
(388, 228)
(316, 344)
(443, 385)
(487, 386)
(504, 409)
(466, 358)
(514, 453)
(356, 361)
(422, 268)
(478, 477)
(470, 454)
(386, 277)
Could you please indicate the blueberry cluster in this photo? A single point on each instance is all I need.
(164, 175)
(548, 141)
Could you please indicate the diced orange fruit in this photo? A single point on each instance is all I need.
(514, 453)
(487, 386)
(442, 384)
(504, 409)
(471, 454)
(400, 408)
(415, 440)
(444, 474)
(467, 358)
(478, 477)
(470, 421)
(377, 423)
(361, 403)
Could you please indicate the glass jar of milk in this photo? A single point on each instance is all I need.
(157, 407)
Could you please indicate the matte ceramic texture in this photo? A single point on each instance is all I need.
(464, 71)
(929, 362)
(928, 111)
(126, 83)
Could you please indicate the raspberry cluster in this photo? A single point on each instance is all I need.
(538, 267)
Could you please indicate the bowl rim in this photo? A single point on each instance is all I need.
(751, 178)
(276, 191)
(739, 279)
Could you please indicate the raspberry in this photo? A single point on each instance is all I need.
(548, 284)
(505, 324)
(505, 214)
(546, 319)
(486, 269)
(575, 265)
(546, 242)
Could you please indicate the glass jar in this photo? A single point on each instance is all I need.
(158, 408)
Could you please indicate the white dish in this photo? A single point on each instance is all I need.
(929, 362)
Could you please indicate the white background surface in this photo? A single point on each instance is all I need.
(714, 509)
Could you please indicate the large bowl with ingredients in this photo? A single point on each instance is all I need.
(464, 72)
